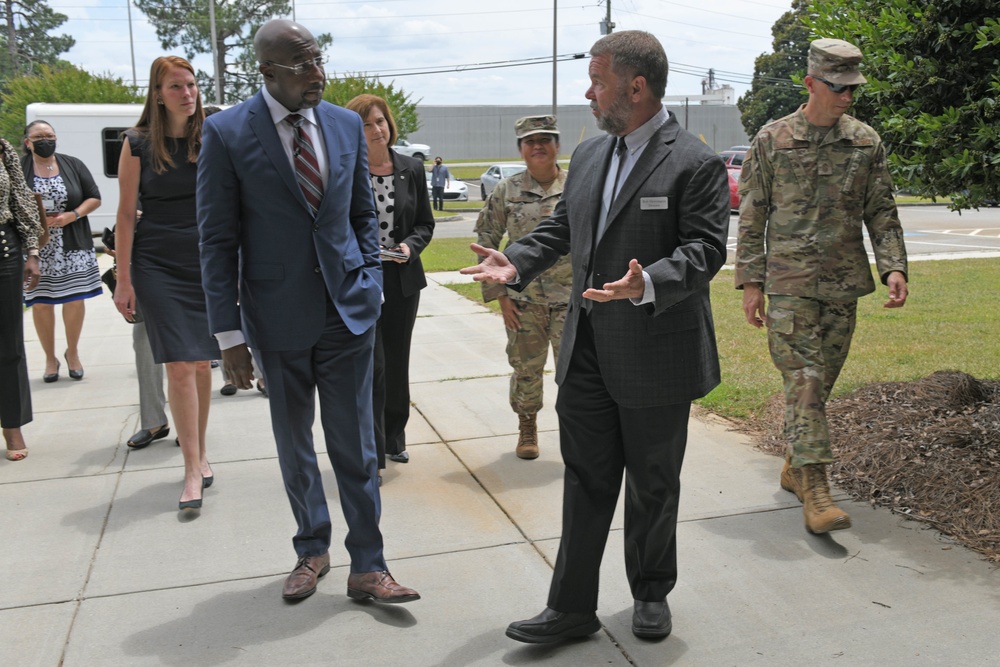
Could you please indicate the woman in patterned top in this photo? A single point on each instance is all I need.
(20, 228)
(68, 262)
(406, 224)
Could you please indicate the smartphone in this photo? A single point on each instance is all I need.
(391, 253)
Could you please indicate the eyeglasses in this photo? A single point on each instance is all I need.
(43, 137)
(837, 88)
(303, 67)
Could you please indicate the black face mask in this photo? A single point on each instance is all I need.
(44, 147)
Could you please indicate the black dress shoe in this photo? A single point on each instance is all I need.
(402, 457)
(145, 437)
(651, 620)
(553, 626)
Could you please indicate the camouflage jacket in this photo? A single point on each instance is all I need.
(514, 207)
(801, 209)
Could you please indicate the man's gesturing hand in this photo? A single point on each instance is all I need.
(495, 267)
(631, 286)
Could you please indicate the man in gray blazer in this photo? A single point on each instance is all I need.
(650, 200)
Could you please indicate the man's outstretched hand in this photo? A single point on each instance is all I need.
(494, 268)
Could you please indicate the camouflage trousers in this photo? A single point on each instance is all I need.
(809, 340)
(527, 350)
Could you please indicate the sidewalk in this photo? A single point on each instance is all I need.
(101, 570)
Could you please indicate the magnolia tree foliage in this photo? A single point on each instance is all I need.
(776, 89)
(66, 85)
(933, 70)
(341, 89)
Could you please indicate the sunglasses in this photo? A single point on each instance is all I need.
(837, 88)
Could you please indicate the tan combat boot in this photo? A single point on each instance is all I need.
(527, 440)
(791, 479)
(821, 513)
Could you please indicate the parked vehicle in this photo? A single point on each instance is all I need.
(419, 151)
(497, 173)
(733, 158)
(92, 133)
(456, 190)
(734, 184)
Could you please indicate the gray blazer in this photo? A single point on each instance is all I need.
(663, 352)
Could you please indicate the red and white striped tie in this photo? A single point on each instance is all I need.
(306, 164)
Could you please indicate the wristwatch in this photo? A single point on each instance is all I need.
(32, 252)
(76, 214)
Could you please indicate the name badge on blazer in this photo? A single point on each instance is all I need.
(653, 203)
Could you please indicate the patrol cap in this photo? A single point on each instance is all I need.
(525, 127)
(835, 61)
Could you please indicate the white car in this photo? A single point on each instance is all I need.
(419, 151)
(456, 191)
(497, 173)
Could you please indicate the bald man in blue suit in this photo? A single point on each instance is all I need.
(290, 264)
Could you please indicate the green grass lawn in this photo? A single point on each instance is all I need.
(949, 323)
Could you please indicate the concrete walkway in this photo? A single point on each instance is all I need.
(99, 569)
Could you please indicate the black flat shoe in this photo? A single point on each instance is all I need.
(207, 481)
(402, 457)
(262, 389)
(145, 437)
(52, 377)
(189, 505)
(228, 389)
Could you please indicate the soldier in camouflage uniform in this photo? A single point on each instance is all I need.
(809, 181)
(534, 317)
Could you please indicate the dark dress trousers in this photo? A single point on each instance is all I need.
(414, 224)
(305, 290)
(627, 374)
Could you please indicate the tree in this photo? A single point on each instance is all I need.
(776, 91)
(185, 23)
(25, 42)
(933, 89)
(68, 84)
(340, 90)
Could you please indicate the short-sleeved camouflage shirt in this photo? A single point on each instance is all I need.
(804, 198)
(514, 208)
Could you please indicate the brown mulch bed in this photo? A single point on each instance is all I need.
(928, 450)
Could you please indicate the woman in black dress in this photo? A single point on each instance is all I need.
(159, 166)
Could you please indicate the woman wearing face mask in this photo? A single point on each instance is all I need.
(68, 263)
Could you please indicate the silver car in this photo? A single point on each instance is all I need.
(497, 173)
(419, 151)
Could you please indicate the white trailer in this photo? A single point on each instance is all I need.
(92, 133)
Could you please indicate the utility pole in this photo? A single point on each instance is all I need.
(554, 3)
(607, 26)
(131, 48)
(215, 53)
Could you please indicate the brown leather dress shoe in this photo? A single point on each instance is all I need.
(379, 587)
(301, 583)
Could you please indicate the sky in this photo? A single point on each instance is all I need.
(469, 52)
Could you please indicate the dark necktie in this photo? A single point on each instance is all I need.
(620, 150)
(306, 164)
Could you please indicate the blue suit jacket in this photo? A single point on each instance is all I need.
(267, 263)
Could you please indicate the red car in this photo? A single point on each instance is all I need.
(734, 182)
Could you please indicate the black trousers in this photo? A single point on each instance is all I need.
(600, 440)
(15, 392)
(391, 380)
